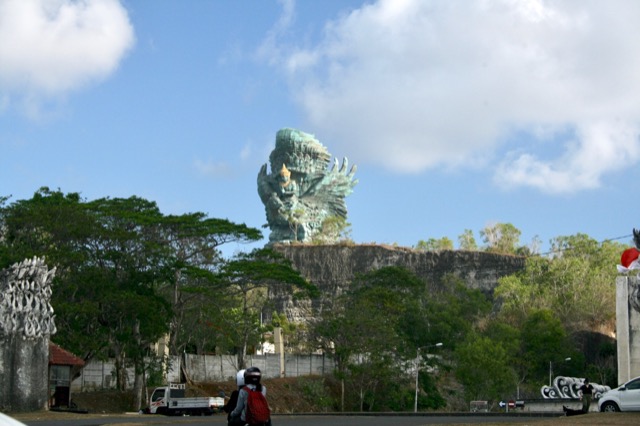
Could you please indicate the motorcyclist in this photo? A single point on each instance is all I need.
(233, 401)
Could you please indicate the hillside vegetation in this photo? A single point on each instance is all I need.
(312, 394)
(286, 395)
(128, 275)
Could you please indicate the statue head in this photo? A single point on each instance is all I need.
(301, 152)
(285, 176)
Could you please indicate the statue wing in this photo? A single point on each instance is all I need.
(265, 184)
(327, 190)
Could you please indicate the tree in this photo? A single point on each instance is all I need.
(128, 253)
(334, 229)
(108, 261)
(248, 279)
(483, 367)
(578, 245)
(448, 312)
(604, 367)
(364, 331)
(194, 241)
(575, 284)
(51, 223)
(509, 337)
(295, 218)
(113, 258)
(501, 238)
(532, 249)
(568, 294)
(543, 340)
(467, 241)
(294, 334)
(59, 227)
(433, 244)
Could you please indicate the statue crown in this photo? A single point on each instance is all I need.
(284, 171)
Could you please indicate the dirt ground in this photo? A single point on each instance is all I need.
(285, 396)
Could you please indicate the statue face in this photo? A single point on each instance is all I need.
(284, 174)
(284, 177)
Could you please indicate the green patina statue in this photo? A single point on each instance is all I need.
(301, 195)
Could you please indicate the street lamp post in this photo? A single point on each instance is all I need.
(437, 345)
(551, 369)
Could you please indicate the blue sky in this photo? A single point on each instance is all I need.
(458, 114)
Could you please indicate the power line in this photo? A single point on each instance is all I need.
(617, 238)
(573, 248)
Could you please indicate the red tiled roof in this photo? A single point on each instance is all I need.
(58, 356)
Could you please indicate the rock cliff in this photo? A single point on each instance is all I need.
(332, 267)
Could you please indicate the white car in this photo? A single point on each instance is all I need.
(623, 398)
(9, 421)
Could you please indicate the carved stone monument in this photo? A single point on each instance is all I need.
(26, 322)
(301, 193)
(569, 387)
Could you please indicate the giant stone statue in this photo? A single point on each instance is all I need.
(301, 192)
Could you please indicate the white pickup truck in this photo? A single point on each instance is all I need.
(171, 401)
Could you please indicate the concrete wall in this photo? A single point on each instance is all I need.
(203, 368)
(555, 405)
(208, 368)
(628, 327)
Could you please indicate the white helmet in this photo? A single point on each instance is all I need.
(240, 378)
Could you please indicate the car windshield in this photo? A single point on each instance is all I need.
(158, 394)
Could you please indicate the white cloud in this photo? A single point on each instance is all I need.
(51, 47)
(417, 84)
(269, 49)
(599, 148)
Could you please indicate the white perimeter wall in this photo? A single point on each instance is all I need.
(208, 368)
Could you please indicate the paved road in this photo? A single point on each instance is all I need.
(307, 420)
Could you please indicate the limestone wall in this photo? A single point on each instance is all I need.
(333, 267)
(628, 327)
